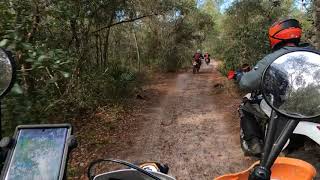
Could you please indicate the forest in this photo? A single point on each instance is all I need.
(75, 56)
(119, 71)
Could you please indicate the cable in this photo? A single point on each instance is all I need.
(125, 163)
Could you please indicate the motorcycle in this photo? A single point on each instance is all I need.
(261, 111)
(292, 93)
(196, 66)
(298, 100)
(207, 60)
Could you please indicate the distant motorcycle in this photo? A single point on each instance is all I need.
(196, 66)
(207, 60)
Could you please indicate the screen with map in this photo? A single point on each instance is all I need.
(38, 154)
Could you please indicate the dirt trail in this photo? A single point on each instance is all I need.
(189, 122)
(190, 128)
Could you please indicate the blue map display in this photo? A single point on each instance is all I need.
(37, 154)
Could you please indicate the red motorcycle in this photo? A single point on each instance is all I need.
(207, 58)
(196, 66)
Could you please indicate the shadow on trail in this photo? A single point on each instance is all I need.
(203, 72)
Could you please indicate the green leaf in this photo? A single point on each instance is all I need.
(4, 42)
(27, 46)
(40, 67)
(17, 89)
(29, 60)
(13, 45)
(53, 80)
(10, 31)
(65, 74)
(42, 57)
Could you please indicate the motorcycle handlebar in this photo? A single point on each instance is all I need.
(92, 164)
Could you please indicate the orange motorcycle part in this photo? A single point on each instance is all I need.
(283, 169)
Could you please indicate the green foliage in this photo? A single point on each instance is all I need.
(73, 56)
(304, 100)
(244, 34)
(97, 89)
(243, 30)
(121, 82)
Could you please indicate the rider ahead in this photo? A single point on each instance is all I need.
(284, 36)
(207, 57)
(198, 56)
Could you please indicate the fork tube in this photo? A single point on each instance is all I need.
(270, 137)
(280, 142)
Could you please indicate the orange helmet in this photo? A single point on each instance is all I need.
(284, 31)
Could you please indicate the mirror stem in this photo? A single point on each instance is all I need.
(280, 142)
(270, 138)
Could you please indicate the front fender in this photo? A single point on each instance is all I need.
(283, 169)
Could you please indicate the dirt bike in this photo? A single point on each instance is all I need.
(295, 98)
(207, 60)
(261, 111)
(298, 101)
(196, 66)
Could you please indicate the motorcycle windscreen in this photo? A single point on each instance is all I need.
(38, 154)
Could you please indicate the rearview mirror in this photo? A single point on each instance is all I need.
(7, 70)
(291, 84)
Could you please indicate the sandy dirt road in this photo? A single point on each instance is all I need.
(190, 128)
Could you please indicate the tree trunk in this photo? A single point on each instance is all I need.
(317, 22)
(106, 48)
(137, 48)
(106, 42)
(100, 49)
(97, 49)
(73, 26)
